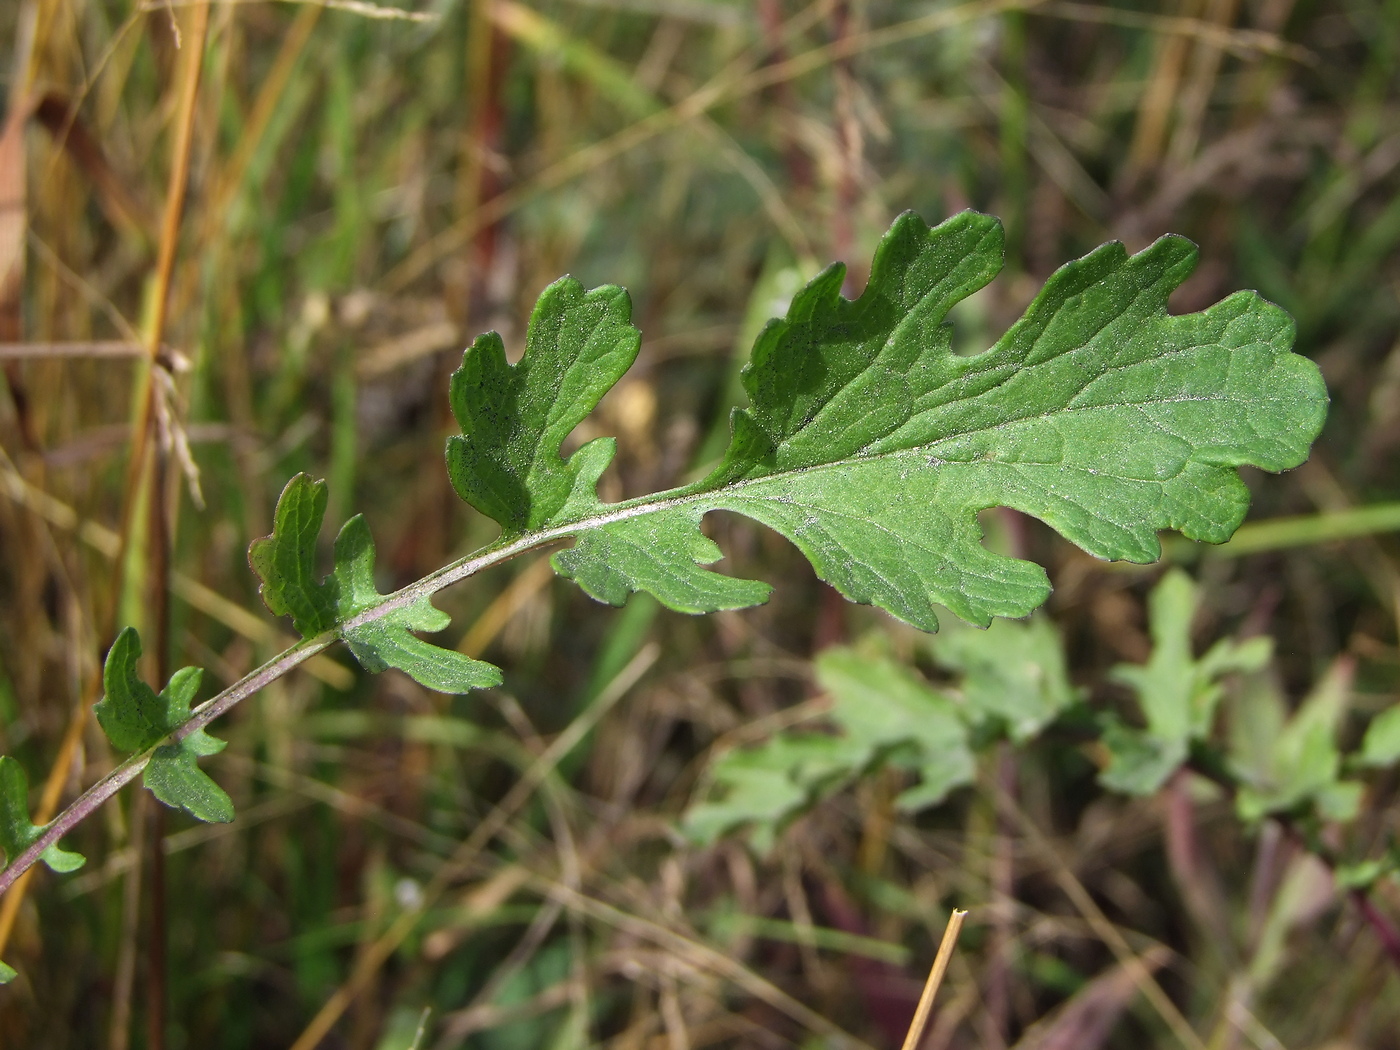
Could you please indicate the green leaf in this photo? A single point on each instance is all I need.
(1362, 875)
(641, 554)
(763, 787)
(872, 446)
(1139, 762)
(879, 705)
(506, 463)
(387, 641)
(1381, 745)
(286, 560)
(7, 973)
(135, 718)
(17, 834)
(881, 709)
(130, 713)
(1178, 694)
(175, 778)
(1013, 673)
(1301, 765)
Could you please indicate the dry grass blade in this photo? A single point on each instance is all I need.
(935, 978)
(1087, 1019)
(198, 595)
(729, 86)
(105, 348)
(704, 957)
(1242, 42)
(504, 606)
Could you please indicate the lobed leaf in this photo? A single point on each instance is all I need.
(387, 641)
(872, 446)
(135, 718)
(286, 560)
(762, 788)
(657, 554)
(881, 710)
(506, 462)
(880, 704)
(1013, 673)
(1299, 764)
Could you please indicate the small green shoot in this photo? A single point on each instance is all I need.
(1294, 765)
(1178, 694)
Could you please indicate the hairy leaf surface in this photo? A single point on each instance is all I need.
(134, 717)
(872, 446)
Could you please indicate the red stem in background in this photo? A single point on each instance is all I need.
(1384, 929)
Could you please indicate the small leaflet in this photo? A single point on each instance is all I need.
(17, 834)
(506, 462)
(389, 641)
(1293, 763)
(134, 718)
(286, 560)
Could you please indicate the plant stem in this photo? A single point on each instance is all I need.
(88, 802)
(454, 572)
(1205, 765)
(1384, 930)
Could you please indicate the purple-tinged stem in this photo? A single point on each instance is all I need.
(1384, 930)
(93, 797)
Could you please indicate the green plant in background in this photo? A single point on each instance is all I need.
(1176, 692)
(868, 443)
(886, 715)
(1290, 765)
(1012, 682)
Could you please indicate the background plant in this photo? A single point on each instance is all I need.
(320, 160)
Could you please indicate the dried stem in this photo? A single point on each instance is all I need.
(935, 978)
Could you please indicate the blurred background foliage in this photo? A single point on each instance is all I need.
(366, 189)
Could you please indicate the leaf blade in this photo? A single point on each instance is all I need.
(872, 446)
(514, 418)
(387, 641)
(285, 561)
(135, 718)
(174, 777)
